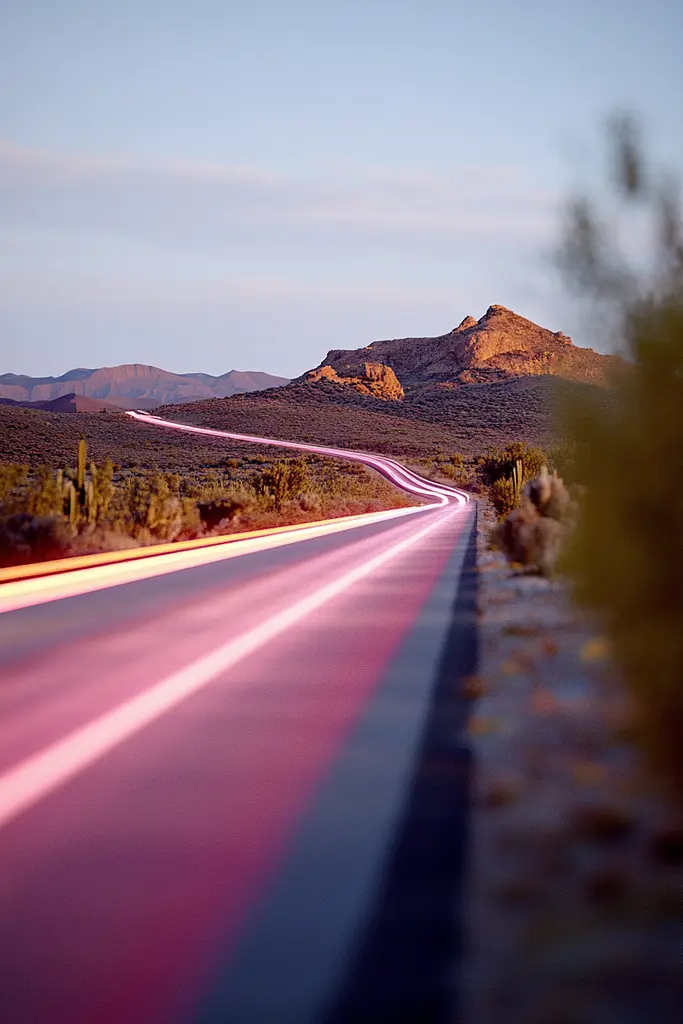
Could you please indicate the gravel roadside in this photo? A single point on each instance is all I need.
(575, 892)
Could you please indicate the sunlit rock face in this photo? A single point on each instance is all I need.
(374, 379)
(498, 346)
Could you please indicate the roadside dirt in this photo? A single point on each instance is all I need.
(575, 895)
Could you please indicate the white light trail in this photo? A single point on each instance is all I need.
(84, 579)
(24, 593)
(402, 477)
(40, 774)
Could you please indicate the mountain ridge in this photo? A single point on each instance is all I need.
(66, 403)
(499, 346)
(486, 383)
(128, 385)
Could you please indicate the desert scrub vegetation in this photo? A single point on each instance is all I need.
(455, 469)
(536, 511)
(431, 419)
(535, 531)
(503, 472)
(626, 555)
(50, 513)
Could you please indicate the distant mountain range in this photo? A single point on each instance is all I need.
(129, 386)
(483, 384)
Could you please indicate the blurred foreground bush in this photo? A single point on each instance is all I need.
(626, 556)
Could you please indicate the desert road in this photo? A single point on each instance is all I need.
(234, 778)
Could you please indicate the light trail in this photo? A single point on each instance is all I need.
(166, 558)
(33, 585)
(168, 741)
(32, 779)
(402, 477)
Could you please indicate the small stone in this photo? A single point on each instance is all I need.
(666, 847)
(501, 793)
(543, 703)
(549, 647)
(481, 725)
(594, 650)
(602, 823)
(605, 887)
(519, 892)
(589, 773)
(474, 687)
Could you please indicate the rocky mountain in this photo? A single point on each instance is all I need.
(500, 346)
(134, 385)
(485, 384)
(375, 379)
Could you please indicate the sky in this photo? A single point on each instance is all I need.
(218, 184)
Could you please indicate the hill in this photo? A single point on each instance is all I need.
(468, 420)
(66, 403)
(134, 385)
(486, 383)
(499, 346)
(36, 437)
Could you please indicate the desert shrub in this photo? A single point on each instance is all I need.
(626, 557)
(106, 506)
(498, 464)
(503, 472)
(505, 492)
(33, 538)
(503, 496)
(533, 534)
(103, 480)
(310, 501)
(13, 480)
(235, 502)
(283, 481)
(456, 469)
(565, 458)
(45, 497)
(148, 509)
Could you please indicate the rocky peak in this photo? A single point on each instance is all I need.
(502, 344)
(468, 322)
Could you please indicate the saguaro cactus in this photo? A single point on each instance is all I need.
(89, 503)
(517, 480)
(82, 449)
(72, 500)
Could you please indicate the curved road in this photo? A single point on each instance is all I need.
(232, 776)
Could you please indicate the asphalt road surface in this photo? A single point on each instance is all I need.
(233, 780)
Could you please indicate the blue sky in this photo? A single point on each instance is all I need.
(212, 185)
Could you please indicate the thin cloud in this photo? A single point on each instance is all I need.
(110, 292)
(189, 204)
